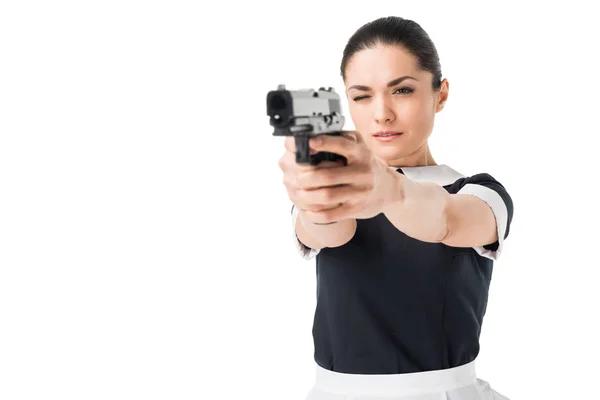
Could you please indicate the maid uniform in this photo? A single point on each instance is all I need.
(399, 318)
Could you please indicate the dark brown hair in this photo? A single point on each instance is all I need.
(396, 31)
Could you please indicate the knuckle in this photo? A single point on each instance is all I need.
(288, 182)
(286, 161)
(301, 178)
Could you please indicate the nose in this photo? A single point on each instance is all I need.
(383, 112)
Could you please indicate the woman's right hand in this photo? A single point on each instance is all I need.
(292, 171)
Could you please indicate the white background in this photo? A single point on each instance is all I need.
(145, 233)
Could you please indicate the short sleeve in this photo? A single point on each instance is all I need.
(306, 252)
(488, 189)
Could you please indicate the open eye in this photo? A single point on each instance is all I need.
(404, 90)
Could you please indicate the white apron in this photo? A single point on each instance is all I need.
(460, 383)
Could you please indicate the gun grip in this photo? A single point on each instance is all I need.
(302, 150)
(303, 155)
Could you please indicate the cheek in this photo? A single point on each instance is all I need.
(416, 113)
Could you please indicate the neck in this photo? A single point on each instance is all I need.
(420, 158)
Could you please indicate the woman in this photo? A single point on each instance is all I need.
(404, 246)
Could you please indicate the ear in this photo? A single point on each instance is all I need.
(442, 96)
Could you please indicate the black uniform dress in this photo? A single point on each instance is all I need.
(391, 304)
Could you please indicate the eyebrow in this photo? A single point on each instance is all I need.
(390, 83)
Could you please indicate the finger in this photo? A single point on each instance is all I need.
(355, 174)
(290, 144)
(341, 145)
(307, 204)
(315, 208)
(290, 182)
(344, 211)
(292, 170)
(352, 135)
(287, 163)
(329, 196)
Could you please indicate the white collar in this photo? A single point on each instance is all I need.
(439, 174)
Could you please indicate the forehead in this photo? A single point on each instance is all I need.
(381, 64)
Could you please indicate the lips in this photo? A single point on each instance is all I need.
(386, 133)
(386, 136)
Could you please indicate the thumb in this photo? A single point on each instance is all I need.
(352, 135)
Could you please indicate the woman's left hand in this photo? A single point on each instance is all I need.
(362, 187)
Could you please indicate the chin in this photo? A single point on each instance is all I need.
(390, 153)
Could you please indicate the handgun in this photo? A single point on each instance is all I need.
(305, 113)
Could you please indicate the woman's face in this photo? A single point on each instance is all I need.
(388, 93)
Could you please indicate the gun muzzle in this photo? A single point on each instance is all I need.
(305, 113)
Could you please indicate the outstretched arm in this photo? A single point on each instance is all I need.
(427, 212)
(474, 212)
